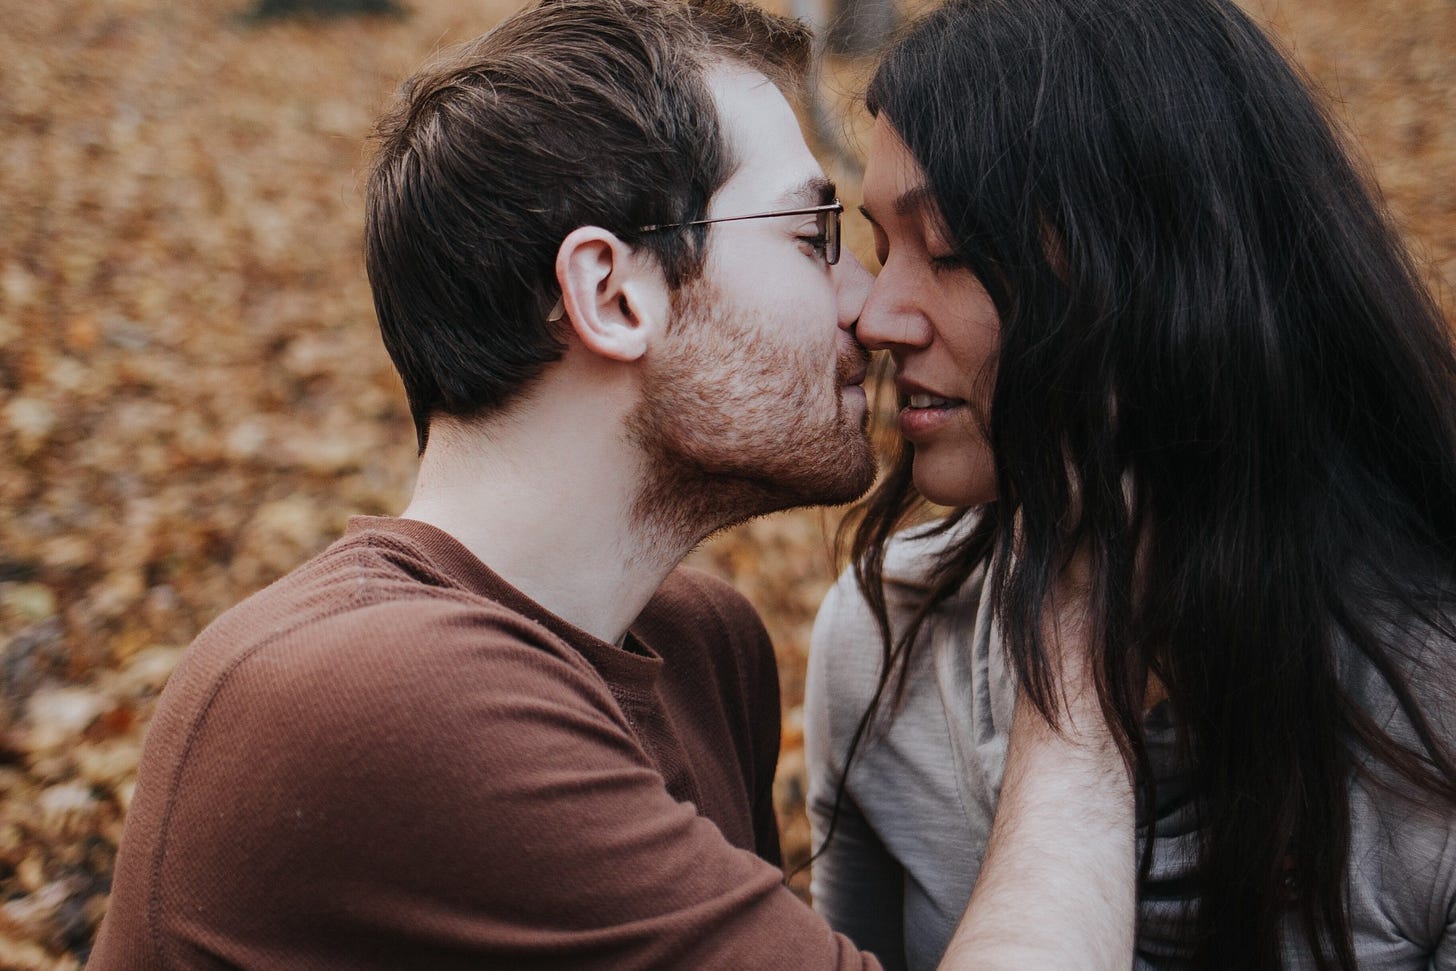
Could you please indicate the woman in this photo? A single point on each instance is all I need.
(1143, 307)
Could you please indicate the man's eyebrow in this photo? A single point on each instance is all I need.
(813, 191)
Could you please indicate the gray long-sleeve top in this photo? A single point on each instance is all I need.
(916, 810)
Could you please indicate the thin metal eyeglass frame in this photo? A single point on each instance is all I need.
(832, 211)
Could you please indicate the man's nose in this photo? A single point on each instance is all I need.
(851, 286)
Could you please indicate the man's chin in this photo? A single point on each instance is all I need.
(859, 480)
(838, 480)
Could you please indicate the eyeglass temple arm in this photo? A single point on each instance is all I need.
(835, 206)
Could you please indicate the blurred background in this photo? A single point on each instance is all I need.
(193, 397)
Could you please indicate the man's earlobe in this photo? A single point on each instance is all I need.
(615, 300)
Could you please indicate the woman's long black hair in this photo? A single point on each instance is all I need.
(1214, 340)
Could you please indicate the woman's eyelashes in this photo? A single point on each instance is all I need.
(946, 260)
(940, 252)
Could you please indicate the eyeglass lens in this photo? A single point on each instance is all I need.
(829, 227)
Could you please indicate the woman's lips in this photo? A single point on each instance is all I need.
(925, 414)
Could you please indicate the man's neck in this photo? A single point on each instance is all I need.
(547, 503)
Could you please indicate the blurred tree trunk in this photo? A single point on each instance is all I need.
(859, 26)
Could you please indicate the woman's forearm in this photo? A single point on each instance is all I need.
(1057, 888)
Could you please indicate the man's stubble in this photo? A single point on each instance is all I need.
(732, 426)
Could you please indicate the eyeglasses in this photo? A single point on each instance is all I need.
(828, 226)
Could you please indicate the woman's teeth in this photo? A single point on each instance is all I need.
(929, 401)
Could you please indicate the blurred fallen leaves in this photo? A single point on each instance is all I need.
(193, 397)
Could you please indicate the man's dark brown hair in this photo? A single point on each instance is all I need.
(570, 113)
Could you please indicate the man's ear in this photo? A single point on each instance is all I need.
(615, 299)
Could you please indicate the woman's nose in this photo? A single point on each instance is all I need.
(892, 318)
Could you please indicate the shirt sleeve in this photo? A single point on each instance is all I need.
(1444, 958)
(475, 800)
(768, 738)
(1403, 843)
(1435, 684)
(857, 884)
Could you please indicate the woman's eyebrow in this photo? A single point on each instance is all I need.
(910, 202)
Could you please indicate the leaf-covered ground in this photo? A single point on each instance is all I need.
(193, 397)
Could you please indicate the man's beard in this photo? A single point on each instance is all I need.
(730, 430)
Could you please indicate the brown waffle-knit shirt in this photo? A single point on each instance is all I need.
(393, 759)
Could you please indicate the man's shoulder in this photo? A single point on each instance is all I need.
(692, 600)
(702, 587)
(369, 576)
(317, 673)
(370, 606)
(709, 634)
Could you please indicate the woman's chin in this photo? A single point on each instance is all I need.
(956, 488)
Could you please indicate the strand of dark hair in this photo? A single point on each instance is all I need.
(1213, 338)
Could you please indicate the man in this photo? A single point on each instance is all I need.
(504, 729)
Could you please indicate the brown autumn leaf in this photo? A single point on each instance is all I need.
(193, 397)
